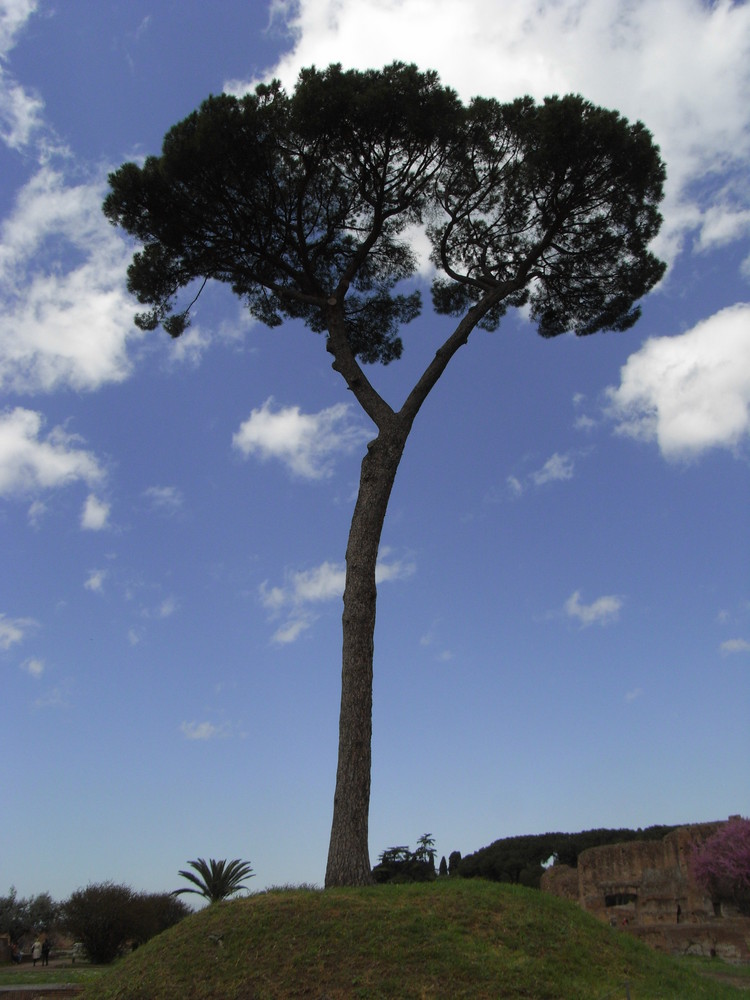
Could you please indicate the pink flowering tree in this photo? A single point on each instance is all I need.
(722, 864)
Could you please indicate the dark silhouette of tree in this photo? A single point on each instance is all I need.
(443, 868)
(401, 864)
(106, 917)
(216, 880)
(302, 203)
(426, 849)
(103, 918)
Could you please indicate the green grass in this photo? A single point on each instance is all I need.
(449, 939)
(11, 975)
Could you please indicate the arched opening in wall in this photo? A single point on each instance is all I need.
(620, 899)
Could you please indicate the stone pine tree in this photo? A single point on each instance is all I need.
(304, 202)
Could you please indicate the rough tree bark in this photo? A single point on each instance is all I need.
(348, 852)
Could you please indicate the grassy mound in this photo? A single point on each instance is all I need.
(450, 939)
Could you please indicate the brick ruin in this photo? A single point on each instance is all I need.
(645, 888)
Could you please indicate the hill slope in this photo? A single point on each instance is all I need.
(450, 939)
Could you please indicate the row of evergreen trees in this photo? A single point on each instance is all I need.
(519, 860)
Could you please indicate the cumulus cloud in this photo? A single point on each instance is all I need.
(679, 65)
(167, 607)
(303, 589)
(557, 468)
(690, 392)
(95, 580)
(13, 630)
(602, 611)
(167, 499)
(203, 730)
(95, 514)
(33, 667)
(731, 646)
(29, 462)
(67, 318)
(305, 442)
(20, 111)
(157, 612)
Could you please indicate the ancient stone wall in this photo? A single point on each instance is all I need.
(562, 881)
(647, 887)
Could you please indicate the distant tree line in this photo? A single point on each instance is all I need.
(103, 918)
(522, 860)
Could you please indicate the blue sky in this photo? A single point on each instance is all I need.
(563, 635)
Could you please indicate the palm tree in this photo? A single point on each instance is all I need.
(216, 880)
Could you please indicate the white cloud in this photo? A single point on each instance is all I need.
(634, 695)
(95, 580)
(515, 485)
(584, 423)
(602, 611)
(731, 646)
(556, 468)
(20, 111)
(36, 512)
(168, 499)
(13, 630)
(722, 224)
(292, 628)
(305, 588)
(33, 667)
(431, 641)
(67, 318)
(28, 463)
(203, 730)
(681, 66)
(304, 442)
(322, 583)
(689, 392)
(13, 17)
(95, 514)
(167, 607)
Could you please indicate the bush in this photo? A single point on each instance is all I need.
(102, 917)
(155, 912)
(106, 917)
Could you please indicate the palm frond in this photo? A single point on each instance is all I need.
(216, 880)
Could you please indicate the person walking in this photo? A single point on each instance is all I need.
(36, 951)
(45, 951)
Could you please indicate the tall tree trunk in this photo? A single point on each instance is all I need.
(348, 853)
